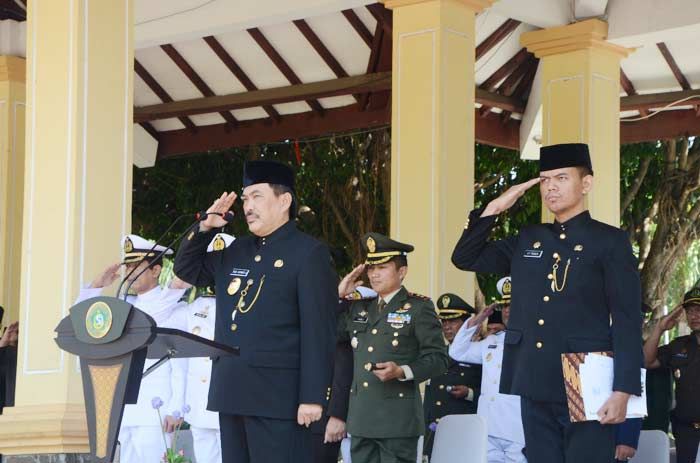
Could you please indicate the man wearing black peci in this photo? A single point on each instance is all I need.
(276, 294)
(575, 288)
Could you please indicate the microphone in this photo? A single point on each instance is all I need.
(202, 215)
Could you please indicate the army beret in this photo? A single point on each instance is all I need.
(450, 306)
(565, 155)
(381, 249)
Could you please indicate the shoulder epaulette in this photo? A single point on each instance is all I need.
(419, 296)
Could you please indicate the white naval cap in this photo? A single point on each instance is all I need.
(137, 248)
(504, 288)
(220, 242)
(362, 292)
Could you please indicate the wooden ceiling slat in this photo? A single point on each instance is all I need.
(301, 92)
(160, 92)
(682, 81)
(359, 26)
(524, 86)
(629, 89)
(496, 37)
(507, 87)
(491, 83)
(374, 59)
(282, 65)
(198, 82)
(383, 16)
(237, 71)
(150, 129)
(320, 48)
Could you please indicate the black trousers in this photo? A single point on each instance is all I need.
(687, 441)
(550, 437)
(324, 453)
(254, 439)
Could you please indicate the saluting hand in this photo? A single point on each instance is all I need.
(350, 282)
(507, 199)
(308, 413)
(479, 318)
(107, 277)
(672, 319)
(221, 206)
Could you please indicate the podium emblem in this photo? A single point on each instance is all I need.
(98, 320)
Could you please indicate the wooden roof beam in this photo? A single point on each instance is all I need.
(383, 16)
(629, 89)
(658, 100)
(496, 37)
(198, 82)
(524, 85)
(301, 92)
(282, 65)
(507, 87)
(160, 92)
(667, 125)
(238, 72)
(359, 26)
(682, 81)
(491, 83)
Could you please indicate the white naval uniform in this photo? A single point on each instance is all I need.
(204, 424)
(140, 436)
(501, 411)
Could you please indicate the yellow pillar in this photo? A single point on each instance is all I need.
(77, 202)
(12, 111)
(581, 102)
(432, 152)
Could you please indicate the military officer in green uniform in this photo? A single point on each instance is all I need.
(397, 343)
(456, 392)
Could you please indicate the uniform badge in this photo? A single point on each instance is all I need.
(239, 272)
(219, 243)
(397, 326)
(489, 356)
(128, 245)
(196, 330)
(677, 373)
(279, 263)
(371, 245)
(354, 342)
(395, 318)
(360, 318)
(536, 244)
(234, 286)
(578, 248)
(445, 301)
(533, 254)
(98, 320)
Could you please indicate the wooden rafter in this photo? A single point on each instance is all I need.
(658, 100)
(196, 80)
(682, 81)
(150, 129)
(301, 92)
(496, 37)
(524, 86)
(666, 125)
(373, 60)
(282, 65)
(507, 87)
(160, 92)
(320, 48)
(382, 16)
(237, 71)
(629, 89)
(359, 26)
(491, 83)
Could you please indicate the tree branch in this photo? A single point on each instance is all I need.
(636, 184)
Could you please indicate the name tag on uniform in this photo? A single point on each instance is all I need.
(201, 314)
(533, 254)
(360, 319)
(681, 355)
(395, 318)
(492, 346)
(240, 272)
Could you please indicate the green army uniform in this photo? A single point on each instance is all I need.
(438, 401)
(385, 419)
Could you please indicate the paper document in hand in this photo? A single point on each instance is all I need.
(596, 373)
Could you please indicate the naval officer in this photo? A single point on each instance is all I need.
(500, 411)
(456, 392)
(576, 288)
(140, 436)
(397, 344)
(276, 297)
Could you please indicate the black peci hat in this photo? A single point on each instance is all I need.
(565, 155)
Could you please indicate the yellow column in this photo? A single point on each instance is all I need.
(432, 152)
(12, 111)
(77, 202)
(581, 102)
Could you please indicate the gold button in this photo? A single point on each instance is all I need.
(562, 236)
(550, 277)
(400, 394)
(395, 343)
(196, 330)
(438, 403)
(555, 255)
(545, 299)
(396, 333)
(368, 366)
(442, 386)
(374, 331)
(258, 258)
(234, 327)
(203, 379)
(461, 374)
(539, 345)
(540, 322)
(370, 349)
(365, 384)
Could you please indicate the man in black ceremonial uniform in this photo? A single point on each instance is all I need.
(575, 288)
(276, 296)
(682, 356)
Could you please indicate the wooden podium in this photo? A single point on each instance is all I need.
(113, 340)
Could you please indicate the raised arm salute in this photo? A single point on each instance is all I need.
(276, 294)
(569, 280)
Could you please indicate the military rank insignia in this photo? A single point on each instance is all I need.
(445, 301)
(128, 245)
(234, 286)
(219, 243)
(395, 318)
(371, 245)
